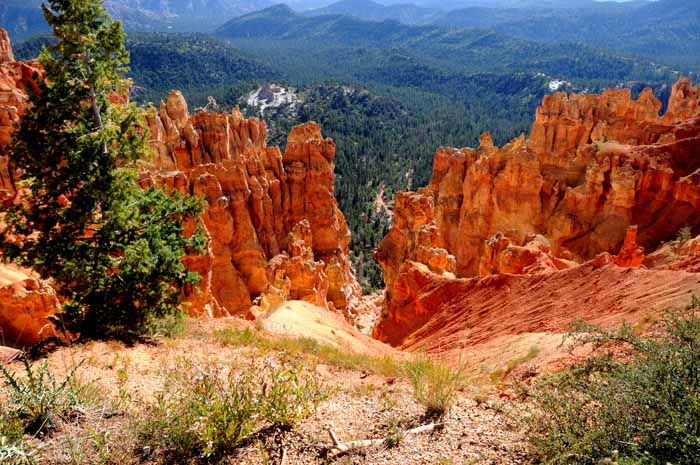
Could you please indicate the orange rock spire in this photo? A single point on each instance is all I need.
(6, 55)
(274, 228)
(599, 174)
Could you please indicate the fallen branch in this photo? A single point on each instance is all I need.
(340, 448)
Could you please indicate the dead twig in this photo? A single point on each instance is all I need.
(340, 448)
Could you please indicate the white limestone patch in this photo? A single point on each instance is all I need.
(556, 84)
(272, 96)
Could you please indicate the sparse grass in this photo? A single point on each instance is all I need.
(12, 446)
(38, 405)
(395, 436)
(684, 234)
(363, 390)
(385, 366)
(435, 386)
(15, 453)
(288, 396)
(497, 376)
(168, 326)
(38, 399)
(443, 461)
(205, 412)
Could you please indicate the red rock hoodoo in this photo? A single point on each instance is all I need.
(274, 228)
(600, 174)
(15, 76)
(26, 307)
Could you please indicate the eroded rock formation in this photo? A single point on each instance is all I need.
(599, 175)
(274, 226)
(6, 54)
(15, 77)
(451, 317)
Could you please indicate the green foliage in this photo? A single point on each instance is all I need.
(38, 400)
(637, 400)
(12, 447)
(434, 385)
(167, 326)
(15, 453)
(288, 397)
(113, 248)
(207, 412)
(501, 373)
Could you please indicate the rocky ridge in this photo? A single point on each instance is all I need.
(599, 175)
(274, 228)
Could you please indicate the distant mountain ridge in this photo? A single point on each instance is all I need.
(407, 13)
(24, 19)
(341, 39)
(666, 30)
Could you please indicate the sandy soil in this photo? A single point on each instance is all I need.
(361, 405)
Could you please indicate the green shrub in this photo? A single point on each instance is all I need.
(38, 399)
(288, 397)
(435, 386)
(206, 412)
(12, 448)
(637, 400)
(15, 453)
(684, 234)
(165, 326)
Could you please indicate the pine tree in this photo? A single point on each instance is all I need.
(113, 249)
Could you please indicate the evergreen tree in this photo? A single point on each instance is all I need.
(113, 249)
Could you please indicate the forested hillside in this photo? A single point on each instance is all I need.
(665, 31)
(196, 64)
(388, 93)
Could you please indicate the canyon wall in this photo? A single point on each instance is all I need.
(598, 173)
(275, 231)
(273, 225)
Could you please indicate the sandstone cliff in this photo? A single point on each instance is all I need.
(15, 76)
(600, 174)
(274, 228)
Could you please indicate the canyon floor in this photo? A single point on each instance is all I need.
(368, 401)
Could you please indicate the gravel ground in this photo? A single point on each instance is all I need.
(360, 406)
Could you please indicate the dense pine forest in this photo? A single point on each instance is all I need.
(388, 93)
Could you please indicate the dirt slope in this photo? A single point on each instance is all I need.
(491, 320)
(302, 319)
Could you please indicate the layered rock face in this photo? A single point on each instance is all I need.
(275, 229)
(599, 174)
